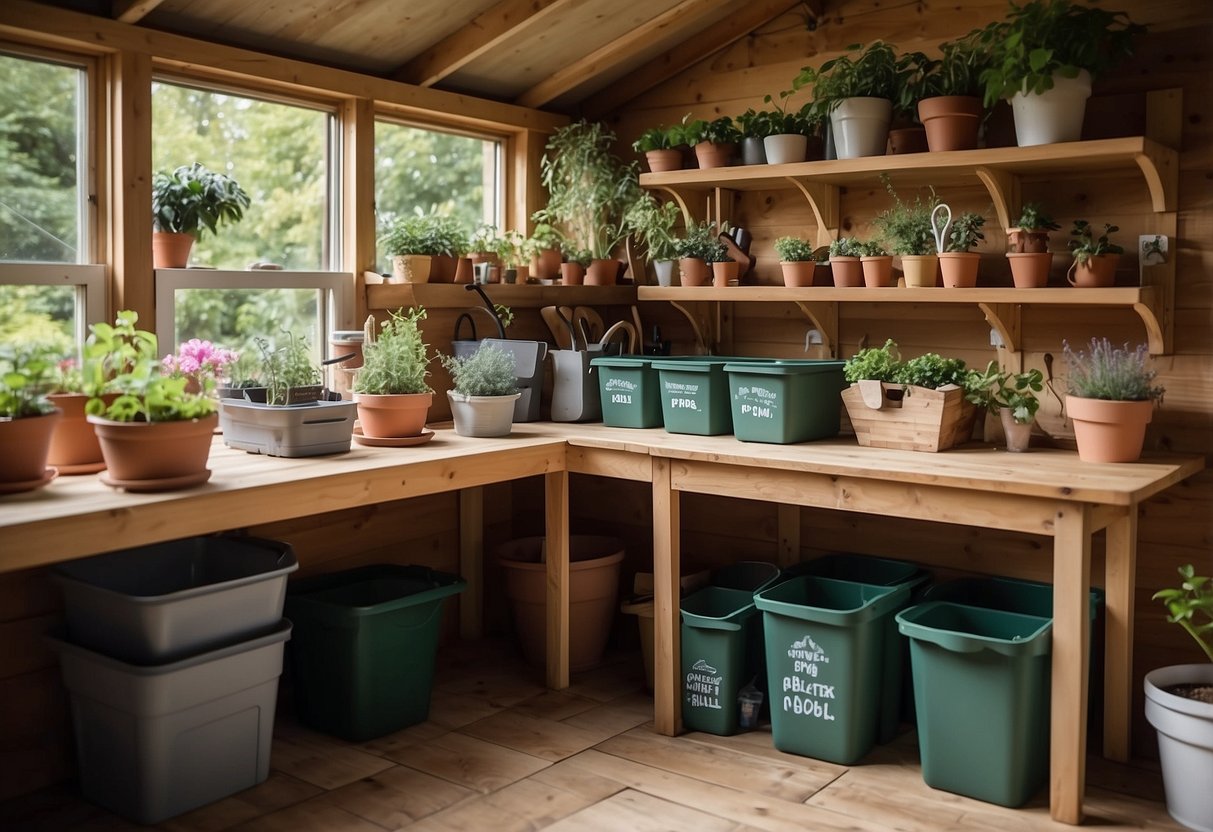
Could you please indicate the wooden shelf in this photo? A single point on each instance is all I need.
(515, 296)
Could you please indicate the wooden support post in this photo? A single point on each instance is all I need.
(667, 710)
(525, 187)
(130, 186)
(557, 532)
(358, 210)
(1120, 571)
(471, 561)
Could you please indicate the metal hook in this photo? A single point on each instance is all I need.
(940, 233)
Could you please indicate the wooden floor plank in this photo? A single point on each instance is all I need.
(409, 737)
(543, 738)
(310, 816)
(610, 719)
(470, 762)
(278, 792)
(639, 812)
(554, 704)
(321, 760)
(518, 807)
(397, 796)
(573, 778)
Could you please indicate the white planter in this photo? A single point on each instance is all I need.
(861, 127)
(1054, 115)
(665, 272)
(482, 416)
(786, 148)
(1185, 743)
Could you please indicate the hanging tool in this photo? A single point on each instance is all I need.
(475, 287)
(941, 232)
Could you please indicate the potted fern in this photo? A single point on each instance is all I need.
(1111, 398)
(484, 392)
(1179, 704)
(390, 388)
(186, 203)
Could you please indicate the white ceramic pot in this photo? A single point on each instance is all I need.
(1185, 743)
(786, 148)
(482, 416)
(861, 127)
(1054, 115)
(665, 272)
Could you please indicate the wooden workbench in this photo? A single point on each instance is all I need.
(1045, 492)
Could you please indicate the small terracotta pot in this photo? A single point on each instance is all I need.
(711, 155)
(959, 269)
(1030, 270)
(848, 271)
(464, 273)
(23, 447)
(602, 272)
(572, 274)
(907, 140)
(798, 273)
(1018, 434)
(1028, 240)
(877, 270)
(442, 268)
(74, 448)
(171, 250)
(1109, 431)
(723, 272)
(393, 416)
(920, 269)
(663, 160)
(546, 265)
(693, 271)
(146, 451)
(951, 121)
(411, 268)
(1098, 272)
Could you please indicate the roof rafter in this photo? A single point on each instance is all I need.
(132, 11)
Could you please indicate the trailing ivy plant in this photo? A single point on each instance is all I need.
(395, 359)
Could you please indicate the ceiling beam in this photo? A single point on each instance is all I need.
(615, 52)
(132, 11)
(737, 25)
(487, 30)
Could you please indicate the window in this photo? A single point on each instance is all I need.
(420, 170)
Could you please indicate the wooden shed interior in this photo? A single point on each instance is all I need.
(517, 70)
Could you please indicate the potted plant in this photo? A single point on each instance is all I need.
(482, 251)
(1029, 247)
(450, 241)
(1095, 258)
(1012, 396)
(156, 433)
(1179, 704)
(950, 93)
(714, 141)
(413, 241)
(1044, 57)
(754, 127)
(27, 417)
(482, 400)
(906, 133)
(724, 267)
(546, 244)
(877, 264)
(577, 260)
(660, 148)
(652, 224)
(845, 264)
(186, 203)
(514, 251)
(907, 227)
(74, 448)
(695, 249)
(796, 260)
(786, 134)
(958, 264)
(390, 388)
(1111, 398)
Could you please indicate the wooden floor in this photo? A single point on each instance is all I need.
(500, 753)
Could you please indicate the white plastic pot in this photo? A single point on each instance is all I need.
(786, 148)
(1054, 115)
(861, 127)
(482, 416)
(1185, 743)
(664, 270)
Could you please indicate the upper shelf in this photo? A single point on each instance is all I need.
(515, 296)
(1126, 296)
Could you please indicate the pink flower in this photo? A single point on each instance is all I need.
(198, 359)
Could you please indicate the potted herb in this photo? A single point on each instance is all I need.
(485, 389)
(1012, 396)
(907, 227)
(546, 244)
(958, 264)
(1179, 704)
(786, 134)
(796, 260)
(1044, 57)
(652, 224)
(754, 126)
(482, 251)
(27, 417)
(186, 203)
(724, 267)
(697, 247)
(413, 241)
(714, 141)
(1111, 398)
(845, 254)
(514, 251)
(877, 264)
(949, 92)
(660, 148)
(577, 260)
(390, 388)
(1095, 258)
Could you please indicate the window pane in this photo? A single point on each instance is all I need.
(40, 160)
(279, 154)
(234, 318)
(39, 314)
(427, 171)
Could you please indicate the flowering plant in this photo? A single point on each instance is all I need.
(199, 361)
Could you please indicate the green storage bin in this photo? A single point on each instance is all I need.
(364, 646)
(981, 691)
(695, 395)
(824, 651)
(782, 402)
(630, 391)
(719, 627)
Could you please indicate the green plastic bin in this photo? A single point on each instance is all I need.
(782, 402)
(695, 394)
(364, 646)
(824, 651)
(630, 391)
(981, 691)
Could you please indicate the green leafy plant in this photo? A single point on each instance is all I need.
(754, 124)
(871, 248)
(1033, 217)
(1086, 245)
(1113, 373)
(652, 224)
(873, 71)
(486, 372)
(958, 69)
(794, 250)
(907, 226)
(874, 364)
(145, 392)
(485, 240)
(395, 359)
(994, 388)
(581, 256)
(286, 367)
(965, 232)
(932, 371)
(193, 199)
(717, 131)
(655, 138)
(26, 372)
(424, 234)
(1191, 606)
(545, 237)
(846, 247)
(700, 241)
(1047, 37)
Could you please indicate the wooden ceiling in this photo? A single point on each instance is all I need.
(549, 54)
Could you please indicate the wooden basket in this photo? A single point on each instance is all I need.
(909, 418)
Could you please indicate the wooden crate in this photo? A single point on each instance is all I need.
(910, 418)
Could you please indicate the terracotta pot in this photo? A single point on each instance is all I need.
(144, 452)
(572, 274)
(602, 272)
(1098, 272)
(1018, 434)
(464, 270)
(951, 121)
(877, 270)
(442, 268)
(693, 271)
(798, 273)
(171, 250)
(411, 268)
(1030, 270)
(723, 272)
(711, 155)
(1109, 431)
(74, 448)
(848, 271)
(959, 269)
(24, 444)
(546, 265)
(1028, 240)
(920, 269)
(907, 140)
(393, 416)
(663, 160)
(594, 564)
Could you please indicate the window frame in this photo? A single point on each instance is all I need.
(90, 282)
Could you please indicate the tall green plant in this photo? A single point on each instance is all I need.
(907, 225)
(396, 358)
(652, 224)
(873, 71)
(193, 199)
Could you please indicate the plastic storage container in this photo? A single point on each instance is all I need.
(981, 691)
(312, 429)
(153, 742)
(825, 649)
(695, 395)
(785, 401)
(161, 602)
(629, 388)
(364, 648)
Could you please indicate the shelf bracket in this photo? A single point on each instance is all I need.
(1005, 319)
(1004, 191)
(823, 315)
(681, 199)
(1160, 167)
(702, 323)
(825, 200)
(1156, 331)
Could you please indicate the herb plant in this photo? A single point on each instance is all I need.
(872, 248)
(1086, 245)
(907, 226)
(424, 234)
(700, 241)
(846, 247)
(286, 367)
(486, 372)
(717, 131)
(958, 69)
(1112, 373)
(873, 364)
(793, 250)
(25, 374)
(545, 236)
(655, 138)
(395, 359)
(965, 232)
(1191, 606)
(994, 389)
(652, 224)
(932, 371)
(193, 199)
(874, 71)
(1032, 217)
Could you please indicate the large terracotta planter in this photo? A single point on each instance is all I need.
(798, 273)
(847, 271)
(920, 269)
(74, 448)
(171, 250)
(572, 274)
(392, 416)
(951, 121)
(710, 155)
(1109, 431)
(693, 271)
(411, 268)
(877, 270)
(594, 564)
(603, 272)
(1097, 272)
(663, 160)
(155, 456)
(959, 269)
(723, 272)
(23, 447)
(1030, 270)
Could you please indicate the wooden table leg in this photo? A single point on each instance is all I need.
(557, 531)
(667, 706)
(1071, 640)
(1120, 578)
(471, 561)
